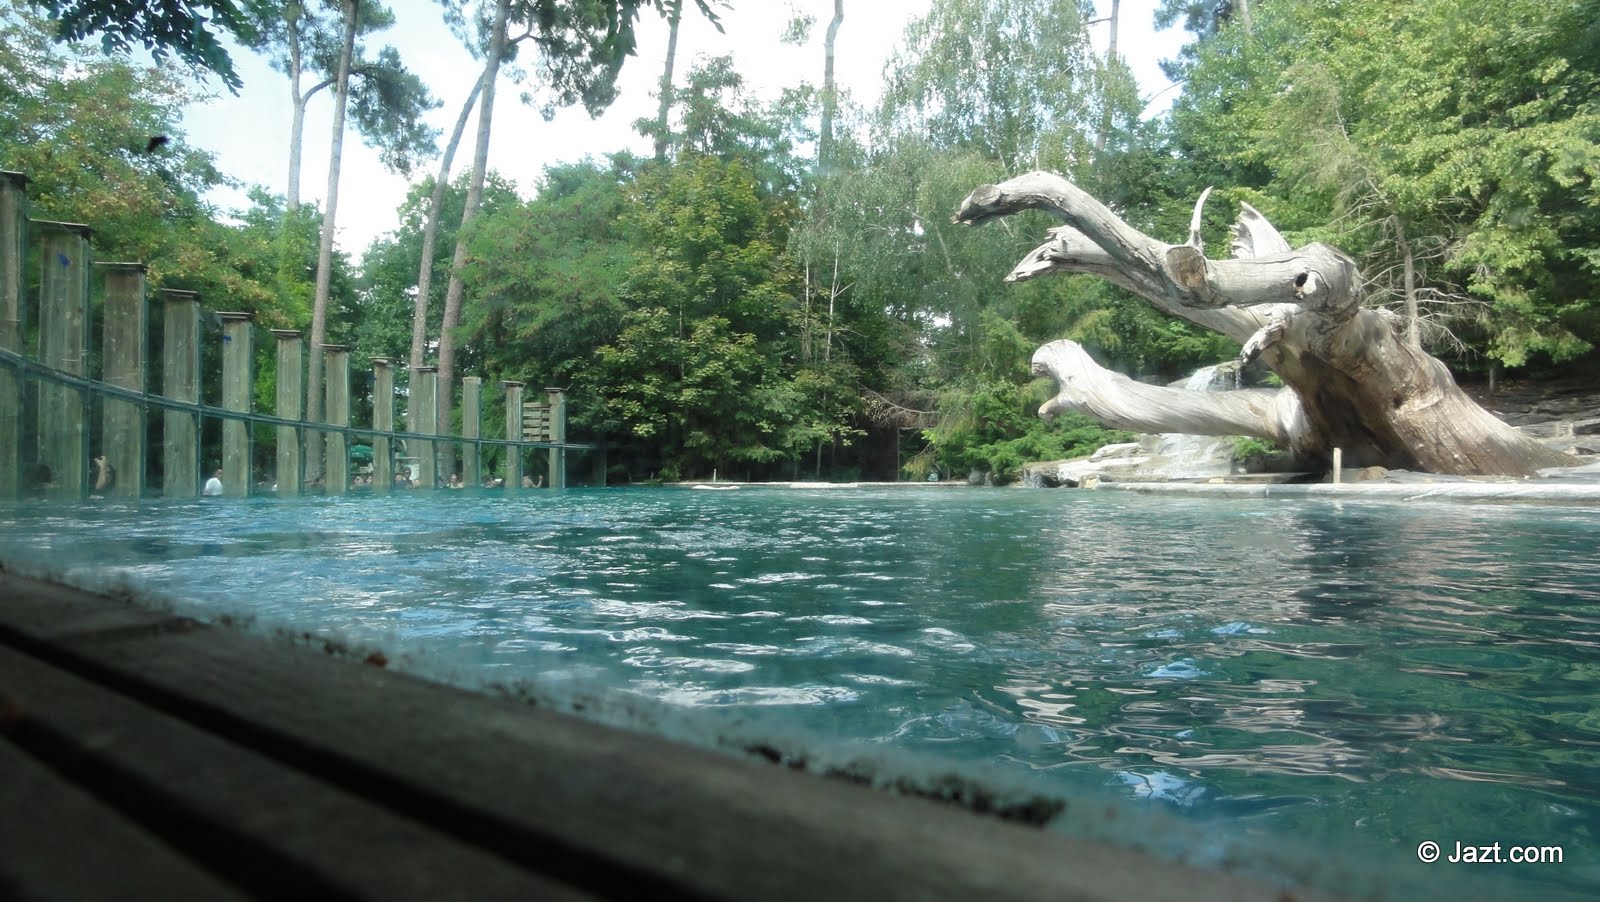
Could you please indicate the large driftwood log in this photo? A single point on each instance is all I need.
(1117, 401)
(1351, 380)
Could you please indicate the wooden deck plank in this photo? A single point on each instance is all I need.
(613, 812)
(55, 839)
(48, 611)
(225, 804)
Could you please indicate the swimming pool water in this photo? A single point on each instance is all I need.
(1367, 675)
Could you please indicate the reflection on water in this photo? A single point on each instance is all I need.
(1335, 671)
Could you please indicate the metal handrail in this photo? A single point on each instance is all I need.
(36, 370)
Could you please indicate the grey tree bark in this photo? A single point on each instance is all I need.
(298, 101)
(1351, 378)
(674, 19)
(498, 42)
(430, 231)
(830, 91)
(319, 308)
(1111, 60)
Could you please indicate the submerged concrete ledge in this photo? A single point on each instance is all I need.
(144, 755)
(1488, 493)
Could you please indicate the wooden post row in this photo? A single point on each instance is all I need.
(513, 434)
(336, 370)
(424, 420)
(180, 374)
(238, 363)
(64, 345)
(471, 425)
(13, 247)
(382, 421)
(291, 389)
(122, 431)
(63, 410)
(558, 434)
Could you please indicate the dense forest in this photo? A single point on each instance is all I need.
(778, 292)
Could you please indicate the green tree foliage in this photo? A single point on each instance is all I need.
(725, 307)
(274, 251)
(1010, 80)
(282, 256)
(548, 276)
(996, 429)
(675, 390)
(909, 312)
(712, 240)
(715, 118)
(389, 275)
(978, 92)
(698, 372)
(387, 101)
(79, 123)
(580, 46)
(1472, 141)
(186, 28)
(1204, 19)
(888, 225)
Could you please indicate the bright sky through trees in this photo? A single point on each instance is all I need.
(250, 132)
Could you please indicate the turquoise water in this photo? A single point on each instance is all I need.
(1358, 676)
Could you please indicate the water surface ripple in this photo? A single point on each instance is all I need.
(1333, 670)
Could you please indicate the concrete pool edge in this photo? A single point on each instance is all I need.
(1524, 492)
(1471, 492)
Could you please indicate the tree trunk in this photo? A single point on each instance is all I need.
(805, 320)
(480, 165)
(1111, 49)
(830, 91)
(297, 127)
(297, 119)
(430, 231)
(834, 291)
(674, 18)
(1105, 92)
(1409, 262)
(298, 101)
(1351, 380)
(319, 309)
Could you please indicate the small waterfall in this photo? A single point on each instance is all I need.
(1195, 456)
(1207, 378)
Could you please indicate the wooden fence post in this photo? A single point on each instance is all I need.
(290, 406)
(382, 421)
(558, 434)
(423, 414)
(13, 251)
(336, 370)
(122, 432)
(471, 430)
(180, 376)
(444, 453)
(513, 434)
(238, 361)
(597, 460)
(63, 345)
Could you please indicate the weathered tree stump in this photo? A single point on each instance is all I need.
(1351, 380)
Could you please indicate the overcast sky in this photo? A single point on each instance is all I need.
(249, 133)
